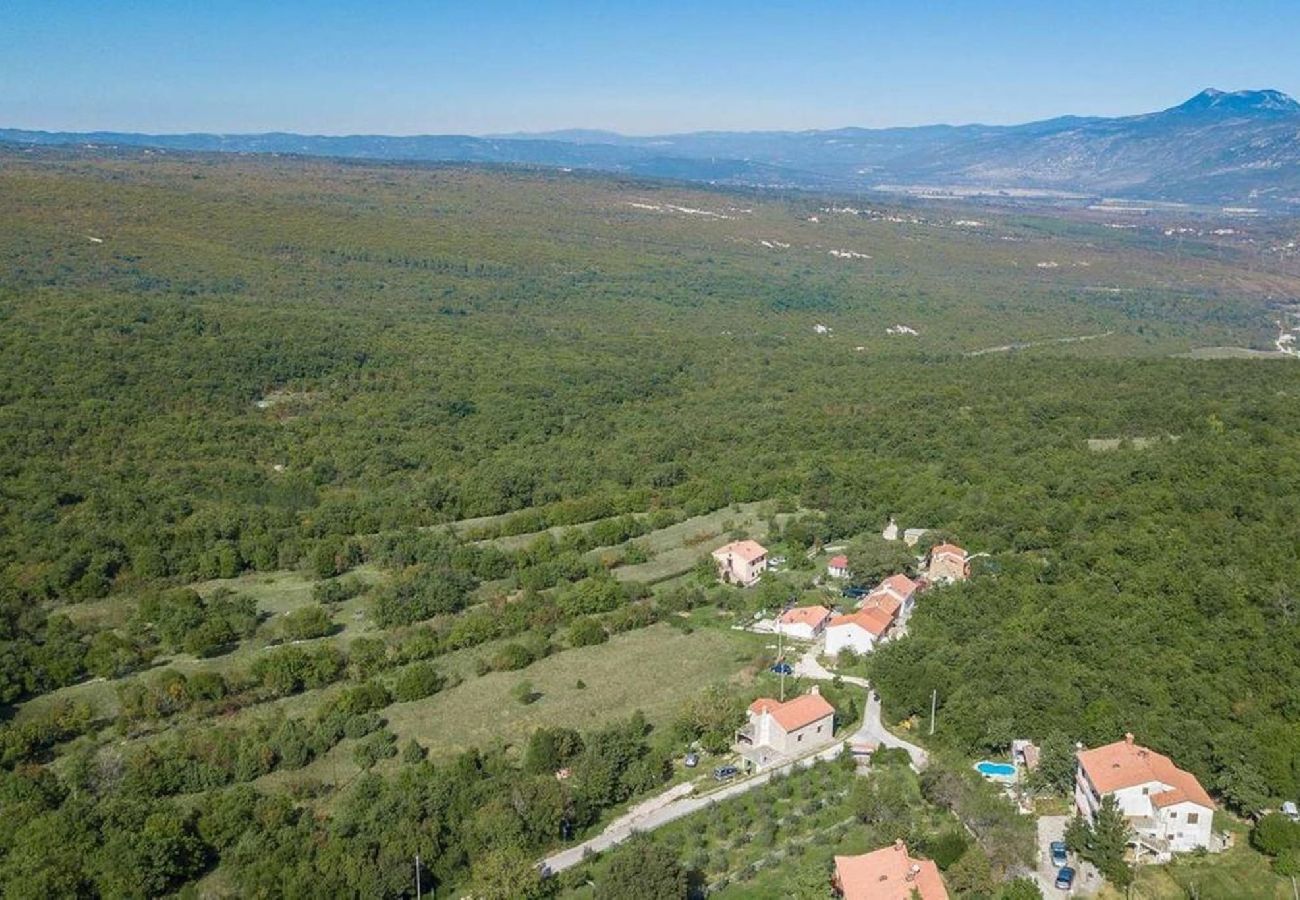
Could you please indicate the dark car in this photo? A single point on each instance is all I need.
(725, 773)
(783, 668)
(1065, 878)
(1060, 853)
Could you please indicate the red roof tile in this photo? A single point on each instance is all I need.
(1125, 764)
(794, 714)
(745, 550)
(888, 874)
(805, 615)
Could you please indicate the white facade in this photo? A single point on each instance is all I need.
(851, 636)
(803, 631)
(1159, 829)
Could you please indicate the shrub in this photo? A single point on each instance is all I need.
(585, 631)
(412, 752)
(380, 745)
(1274, 834)
(417, 681)
(305, 623)
(207, 686)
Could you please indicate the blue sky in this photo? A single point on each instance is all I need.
(639, 67)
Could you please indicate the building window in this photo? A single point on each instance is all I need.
(1193, 818)
(801, 737)
(819, 729)
(1145, 791)
(1173, 815)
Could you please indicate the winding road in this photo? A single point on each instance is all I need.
(677, 801)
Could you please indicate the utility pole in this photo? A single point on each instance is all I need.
(780, 657)
(418, 892)
(934, 697)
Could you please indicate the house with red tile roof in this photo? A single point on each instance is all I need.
(948, 563)
(860, 631)
(889, 873)
(898, 587)
(1167, 808)
(740, 562)
(776, 732)
(803, 622)
(838, 566)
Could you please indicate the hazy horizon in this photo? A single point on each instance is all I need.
(336, 68)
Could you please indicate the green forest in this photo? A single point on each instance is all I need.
(456, 406)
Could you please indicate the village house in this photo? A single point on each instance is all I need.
(776, 731)
(1167, 808)
(838, 566)
(948, 562)
(740, 562)
(888, 874)
(899, 587)
(862, 630)
(803, 622)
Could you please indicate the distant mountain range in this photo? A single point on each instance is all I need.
(1237, 149)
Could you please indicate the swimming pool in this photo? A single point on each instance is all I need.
(996, 770)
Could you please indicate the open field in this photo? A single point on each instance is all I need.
(675, 549)
(652, 669)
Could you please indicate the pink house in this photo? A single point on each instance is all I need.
(740, 562)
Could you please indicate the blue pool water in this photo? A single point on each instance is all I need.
(996, 770)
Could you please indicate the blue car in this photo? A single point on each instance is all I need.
(1060, 853)
(783, 668)
(1065, 878)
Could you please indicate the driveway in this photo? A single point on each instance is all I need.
(872, 730)
(1087, 880)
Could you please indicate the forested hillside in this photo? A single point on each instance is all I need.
(219, 368)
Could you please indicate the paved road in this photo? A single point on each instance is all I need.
(873, 730)
(673, 803)
(654, 813)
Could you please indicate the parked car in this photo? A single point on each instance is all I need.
(1065, 878)
(1060, 853)
(783, 668)
(725, 773)
(692, 760)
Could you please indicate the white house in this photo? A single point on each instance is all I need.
(859, 631)
(740, 562)
(776, 731)
(1166, 807)
(838, 566)
(804, 622)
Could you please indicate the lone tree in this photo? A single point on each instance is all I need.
(872, 559)
(642, 870)
(1103, 842)
(1056, 764)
